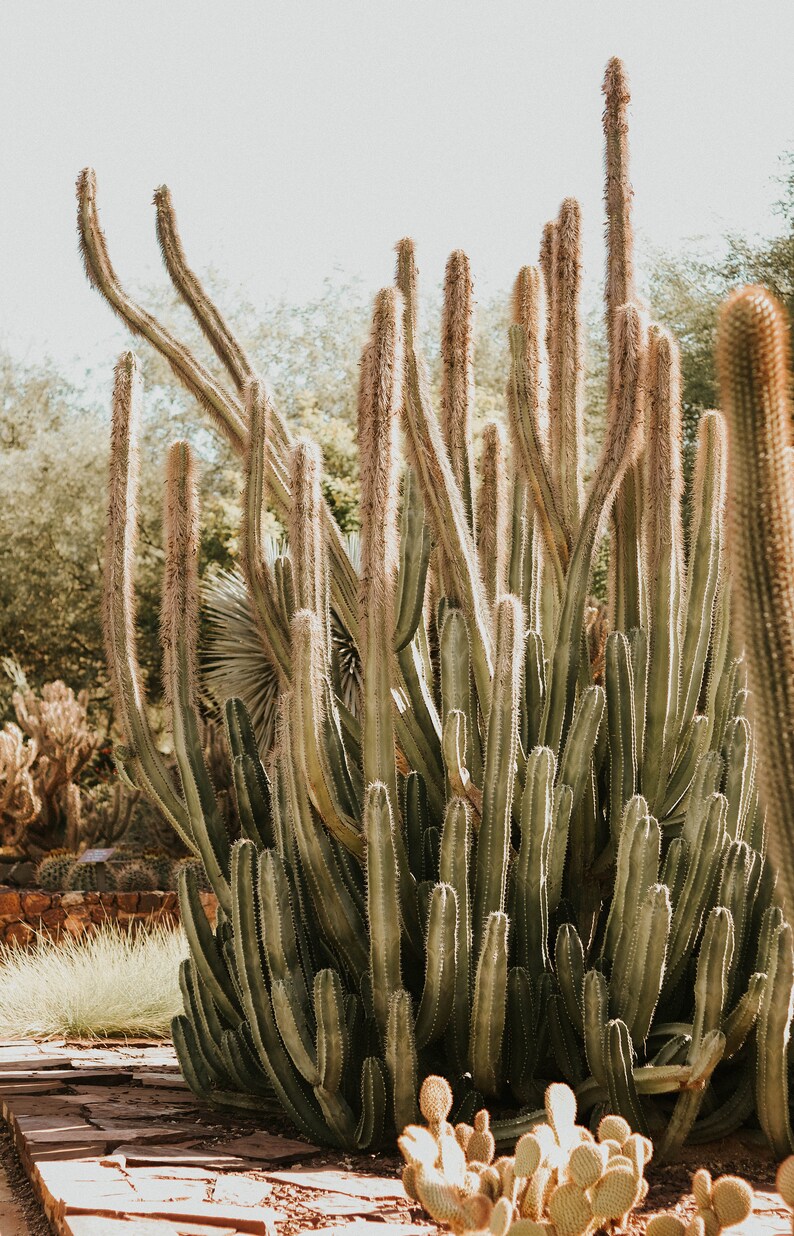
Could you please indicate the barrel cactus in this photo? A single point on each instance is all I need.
(513, 861)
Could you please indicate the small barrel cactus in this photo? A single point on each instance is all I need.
(54, 869)
(137, 876)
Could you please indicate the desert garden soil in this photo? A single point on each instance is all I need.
(20, 1211)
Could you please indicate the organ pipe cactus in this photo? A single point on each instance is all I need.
(506, 863)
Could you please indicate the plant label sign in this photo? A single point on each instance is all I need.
(96, 856)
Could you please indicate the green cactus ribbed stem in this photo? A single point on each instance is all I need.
(664, 557)
(441, 975)
(415, 544)
(493, 839)
(752, 358)
(305, 529)
(489, 1004)
(531, 883)
(383, 910)
(454, 870)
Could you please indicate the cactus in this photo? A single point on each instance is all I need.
(532, 850)
(82, 877)
(136, 875)
(54, 870)
(752, 357)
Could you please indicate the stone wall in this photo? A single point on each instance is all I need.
(26, 913)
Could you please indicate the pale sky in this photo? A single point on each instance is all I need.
(303, 138)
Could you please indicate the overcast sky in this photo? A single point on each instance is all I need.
(301, 139)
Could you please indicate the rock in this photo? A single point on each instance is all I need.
(35, 904)
(23, 874)
(10, 903)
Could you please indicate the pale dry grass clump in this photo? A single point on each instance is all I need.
(107, 985)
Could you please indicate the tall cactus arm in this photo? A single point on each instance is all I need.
(179, 637)
(457, 373)
(383, 905)
(141, 754)
(258, 575)
(492, 512)
(443, 501)
(493, 839)
(379, 400)
(216, 329)
(566, 417)
(626, 599)
(752, 357)
(621, 445)
(664, 557)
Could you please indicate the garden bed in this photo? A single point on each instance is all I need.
(26, 913)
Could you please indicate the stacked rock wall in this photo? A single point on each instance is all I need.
(26, 913)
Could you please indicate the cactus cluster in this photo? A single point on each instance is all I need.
(533, 849)
(562, 1180)
(131, 871)
(721, 1203)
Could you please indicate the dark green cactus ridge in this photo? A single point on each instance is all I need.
(527, 855)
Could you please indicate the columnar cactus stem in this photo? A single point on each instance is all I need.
(141, 752)
(664, 555)
(306, 530)
(457, 373)
(567, 413)
(492, 512)
(752, 357)
(626, 595)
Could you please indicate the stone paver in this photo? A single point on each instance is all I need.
(116, 1145)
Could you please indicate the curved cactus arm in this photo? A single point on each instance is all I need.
(621, 445)
(493, 838)
(438, 992)
(737, 894)
(292, 1092)
(415, 545)
(383, 901)
(569, 968)
(624, 1097)
(453, 869)
(179, 634)
(141, 755)
(338, 916)
(207, 315)
(442, 496)
(772, 1037)
(457, 374)
(595, 996)
(224, 410)
(531, 919)
(259, 577)
(204, 949)
(421, 715)
(489, 1005)
(706, 536)
(369, 1130)
(683, 770)
(401, 1059)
